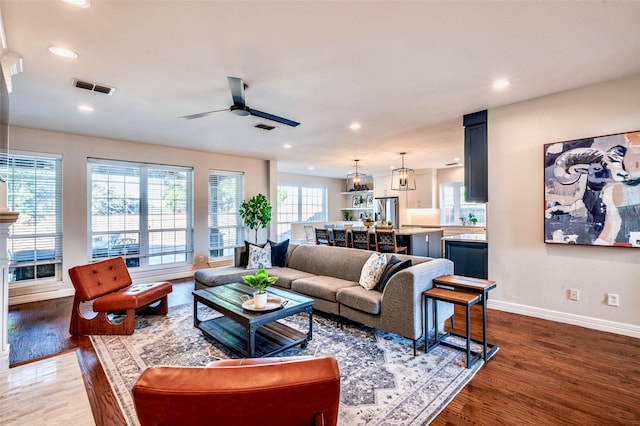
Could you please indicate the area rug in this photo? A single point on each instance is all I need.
(382, 383)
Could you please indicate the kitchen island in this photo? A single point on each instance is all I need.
(469, 253)
(421, 241)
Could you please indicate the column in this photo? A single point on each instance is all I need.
(6, 220)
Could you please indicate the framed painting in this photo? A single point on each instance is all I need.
(357, 201)
(370, 201)
(592, 191)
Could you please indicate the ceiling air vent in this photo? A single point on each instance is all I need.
(452, 164)
(93, 87)
(264, 126)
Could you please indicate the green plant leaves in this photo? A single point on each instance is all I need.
(260, 280)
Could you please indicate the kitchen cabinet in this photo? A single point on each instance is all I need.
(469, 254)
(476, 157)
(422, 197)
(382, 187)
(421, 242)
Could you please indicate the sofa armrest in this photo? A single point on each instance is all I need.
(402, 308)
(239, 256)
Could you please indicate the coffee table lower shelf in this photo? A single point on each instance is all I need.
(270, 338)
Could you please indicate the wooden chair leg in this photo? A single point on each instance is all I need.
(161, 308)
(100, 324)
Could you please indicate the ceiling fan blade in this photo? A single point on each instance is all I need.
(237, 90)
(202, 114)
(273, 117)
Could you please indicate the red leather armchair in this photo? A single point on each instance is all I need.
(108, 284)
(288, 391)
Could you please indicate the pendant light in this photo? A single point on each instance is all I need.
(356, 181)
(403, 179)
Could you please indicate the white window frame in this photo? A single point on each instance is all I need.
(301, 208)
(226, 229)
(459, 205)
(136, 244)
(47, 239)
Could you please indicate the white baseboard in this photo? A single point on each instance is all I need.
(4, 360)
(44, 295)
(582, 321)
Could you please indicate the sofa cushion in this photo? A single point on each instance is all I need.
(279, 253)
(321, 287)
(372, 270)
(391, 270)
(259, 257)
(216, 276)
(339, 262)
(361, 299)
(287, 275)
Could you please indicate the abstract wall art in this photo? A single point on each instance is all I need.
(592, 191)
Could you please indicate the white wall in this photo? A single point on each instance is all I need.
(75, 149)
(534, 277)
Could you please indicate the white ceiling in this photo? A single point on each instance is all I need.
(407, 71)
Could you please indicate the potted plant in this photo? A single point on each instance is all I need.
(256, 213)
(473, 219)
(259, 282)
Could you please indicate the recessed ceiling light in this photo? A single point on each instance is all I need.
(63, 52)
(355, 126)
(78, 3)
(501, 84)
(85, 108)
(287, 146)
(456, 159)
(310, 168)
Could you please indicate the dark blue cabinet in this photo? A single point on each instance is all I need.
(469, 258)
(475, 157)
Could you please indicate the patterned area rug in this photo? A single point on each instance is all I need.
(382, 382)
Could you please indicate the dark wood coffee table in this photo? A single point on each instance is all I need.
(251, 333)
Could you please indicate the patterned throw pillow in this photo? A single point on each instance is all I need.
(259, 257)
(372, 270)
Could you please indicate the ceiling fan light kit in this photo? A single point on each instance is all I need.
(403, 179)
(239, 107)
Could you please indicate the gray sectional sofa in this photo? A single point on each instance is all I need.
(330, 276)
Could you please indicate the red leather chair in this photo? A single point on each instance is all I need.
(287, 391)
(108, 284)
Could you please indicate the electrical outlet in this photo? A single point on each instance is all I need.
(200, 259)
(613, 299)
(574, 294)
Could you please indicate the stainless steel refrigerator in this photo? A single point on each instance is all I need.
(387, 209)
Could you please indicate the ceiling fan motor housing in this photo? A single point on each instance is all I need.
(241, 110)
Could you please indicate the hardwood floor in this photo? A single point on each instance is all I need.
(545, 373)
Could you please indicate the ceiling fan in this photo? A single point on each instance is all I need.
(240, 107)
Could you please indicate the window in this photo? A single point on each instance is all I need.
(453, 207)
(299, 204)
(226, 230)
(35, 190)
(142, 212)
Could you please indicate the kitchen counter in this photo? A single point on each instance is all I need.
(478, 238)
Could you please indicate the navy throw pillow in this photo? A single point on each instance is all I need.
(391, 270)
(279, 253)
